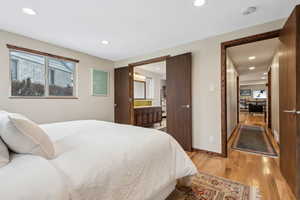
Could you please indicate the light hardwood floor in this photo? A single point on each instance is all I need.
(250, 169)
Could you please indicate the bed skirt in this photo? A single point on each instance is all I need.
(163, 194)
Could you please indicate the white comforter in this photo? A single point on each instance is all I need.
(105, 161)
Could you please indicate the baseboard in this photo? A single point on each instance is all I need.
(233, 133)
(208, 152)
(271, 138)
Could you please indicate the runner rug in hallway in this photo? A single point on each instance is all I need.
(207, 187)
(254, 139)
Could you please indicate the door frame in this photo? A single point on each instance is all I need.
(238, 99)
(224, 46)
(269, 119)
(131, 81)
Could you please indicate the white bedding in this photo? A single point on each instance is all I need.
(107, 161)
(29, 177)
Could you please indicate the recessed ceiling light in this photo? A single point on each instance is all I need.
(199, 3)
(250, 10)
(263, 77)
(105, 42)
(28, 11)
(252, 58)
(251, 68)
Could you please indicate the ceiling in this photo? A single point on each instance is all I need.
(133, 27)
(263, 51)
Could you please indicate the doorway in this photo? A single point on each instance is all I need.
(249, 103)
(150, 98)
(288, 64)
(224, 61)
(176, 97)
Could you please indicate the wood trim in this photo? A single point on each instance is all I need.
(207, 152)
(131, 93)
(152, 60)
(238, 99)
(253, 38)
(233, 137)
(270, 99)
(139, 81)
(236, 128)
(224, 46)
(12, 47)
(272, 140)
(223, 100)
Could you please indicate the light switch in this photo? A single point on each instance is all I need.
(212, 88)
(211, 139)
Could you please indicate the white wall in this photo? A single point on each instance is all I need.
(53, 110)
(231, 97)
(156, 78)
(206, 73)
(275, 96)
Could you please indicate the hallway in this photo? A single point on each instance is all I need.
(252, 119)
(253, 136)
(251, 169)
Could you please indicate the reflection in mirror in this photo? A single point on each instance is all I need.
(139, 89)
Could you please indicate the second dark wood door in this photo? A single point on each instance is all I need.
(289, 100)
(123, 95)
(179, 102)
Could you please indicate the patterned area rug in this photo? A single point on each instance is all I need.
(207, 187)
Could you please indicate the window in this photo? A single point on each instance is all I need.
(14, 69)
(41, 76)
(61, 77)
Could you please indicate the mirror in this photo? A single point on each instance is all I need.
(139, 89)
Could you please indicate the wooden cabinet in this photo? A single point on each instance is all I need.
(147, 116)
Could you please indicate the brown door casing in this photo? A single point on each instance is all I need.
(238, 99)
(123, 95)
(179, 101)
(289, 101)
(269, 85)
(224, 46)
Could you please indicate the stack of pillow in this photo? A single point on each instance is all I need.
(21, 135)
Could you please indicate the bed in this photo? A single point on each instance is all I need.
(98, 160)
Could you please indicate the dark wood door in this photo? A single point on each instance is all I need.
(289, 98)
(179, 101)
(123, 95)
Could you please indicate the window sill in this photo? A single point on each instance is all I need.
(52, 97)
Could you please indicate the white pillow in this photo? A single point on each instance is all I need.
(24, 136)
(4, 154)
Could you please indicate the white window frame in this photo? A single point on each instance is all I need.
(46, 76)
